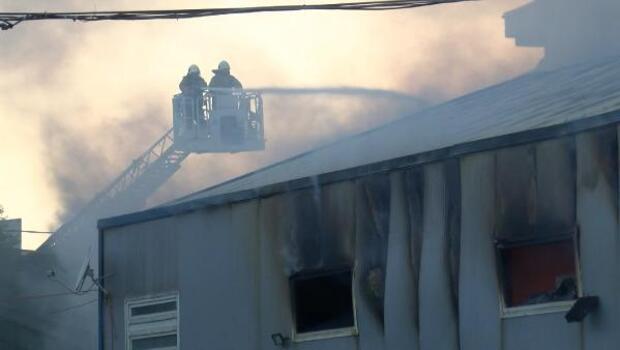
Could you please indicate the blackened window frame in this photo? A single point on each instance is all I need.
(534, 240)
(327, 333)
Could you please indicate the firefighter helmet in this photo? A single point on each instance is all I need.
(193, 69)
(223, 66)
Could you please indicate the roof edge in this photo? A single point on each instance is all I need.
(508, 140)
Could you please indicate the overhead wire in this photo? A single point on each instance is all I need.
(9, 20)
(74, 307)
(48, 295)
(30, 231)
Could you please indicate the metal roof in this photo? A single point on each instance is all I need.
(532, 101)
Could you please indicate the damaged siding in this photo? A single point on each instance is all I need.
(421, 243)
(480, 325)
(438, 319)
(401, 309)
(597, 209)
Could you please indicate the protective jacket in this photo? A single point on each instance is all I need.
(192, 84)
(224, 80)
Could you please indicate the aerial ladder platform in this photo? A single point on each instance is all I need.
(216, 121)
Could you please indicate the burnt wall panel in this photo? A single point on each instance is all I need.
(322, 234)
(479, 322)
(438, 319)
(308, 239)
(515, 193)
(401, 309)
(535, 189)
(453, 224)
(338, 223)
(555, 185)
(597, 211)
(414, 190)
(372, 228)
(321, 220)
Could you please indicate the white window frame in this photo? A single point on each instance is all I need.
(152, 325)
(542, 308)
(328, 333)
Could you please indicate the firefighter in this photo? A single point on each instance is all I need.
(223, 79)
(191, 87)
(192, 83)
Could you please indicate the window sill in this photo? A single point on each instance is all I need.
(538, 309)
(327, 334)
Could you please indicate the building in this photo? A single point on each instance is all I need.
(475, 224)
(570, 31)
(14, 316)
(11, 325)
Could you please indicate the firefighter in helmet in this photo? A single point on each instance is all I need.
(223, 79)
(192, 83)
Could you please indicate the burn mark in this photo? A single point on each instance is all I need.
(308, 234)
(414, 187)
(322, 232)
(373, 215)
(453, 225)
(598, 161)
(338, 223)
(555, 185)
(535, 189)
(515, 191)
(605, 154)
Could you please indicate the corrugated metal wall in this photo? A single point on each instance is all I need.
(421, 242)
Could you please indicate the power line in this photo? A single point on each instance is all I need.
(29, 231)
(10, 19)
(74, 307)
(43, 296)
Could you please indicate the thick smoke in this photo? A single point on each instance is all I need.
(81, 165)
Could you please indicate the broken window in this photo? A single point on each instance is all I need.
(152, 323)
(535, 220)
(323, 304)
(537, 271)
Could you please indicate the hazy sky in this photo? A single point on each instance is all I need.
(78, 101)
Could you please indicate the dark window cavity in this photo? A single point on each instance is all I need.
(323, 301)
(538, 272)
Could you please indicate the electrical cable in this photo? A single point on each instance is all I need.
(9, 20)
(30, 231)
(49, 295)
(71, 290)
(73, 307)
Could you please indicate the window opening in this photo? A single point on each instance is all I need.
(323, 302)
(538, 271)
